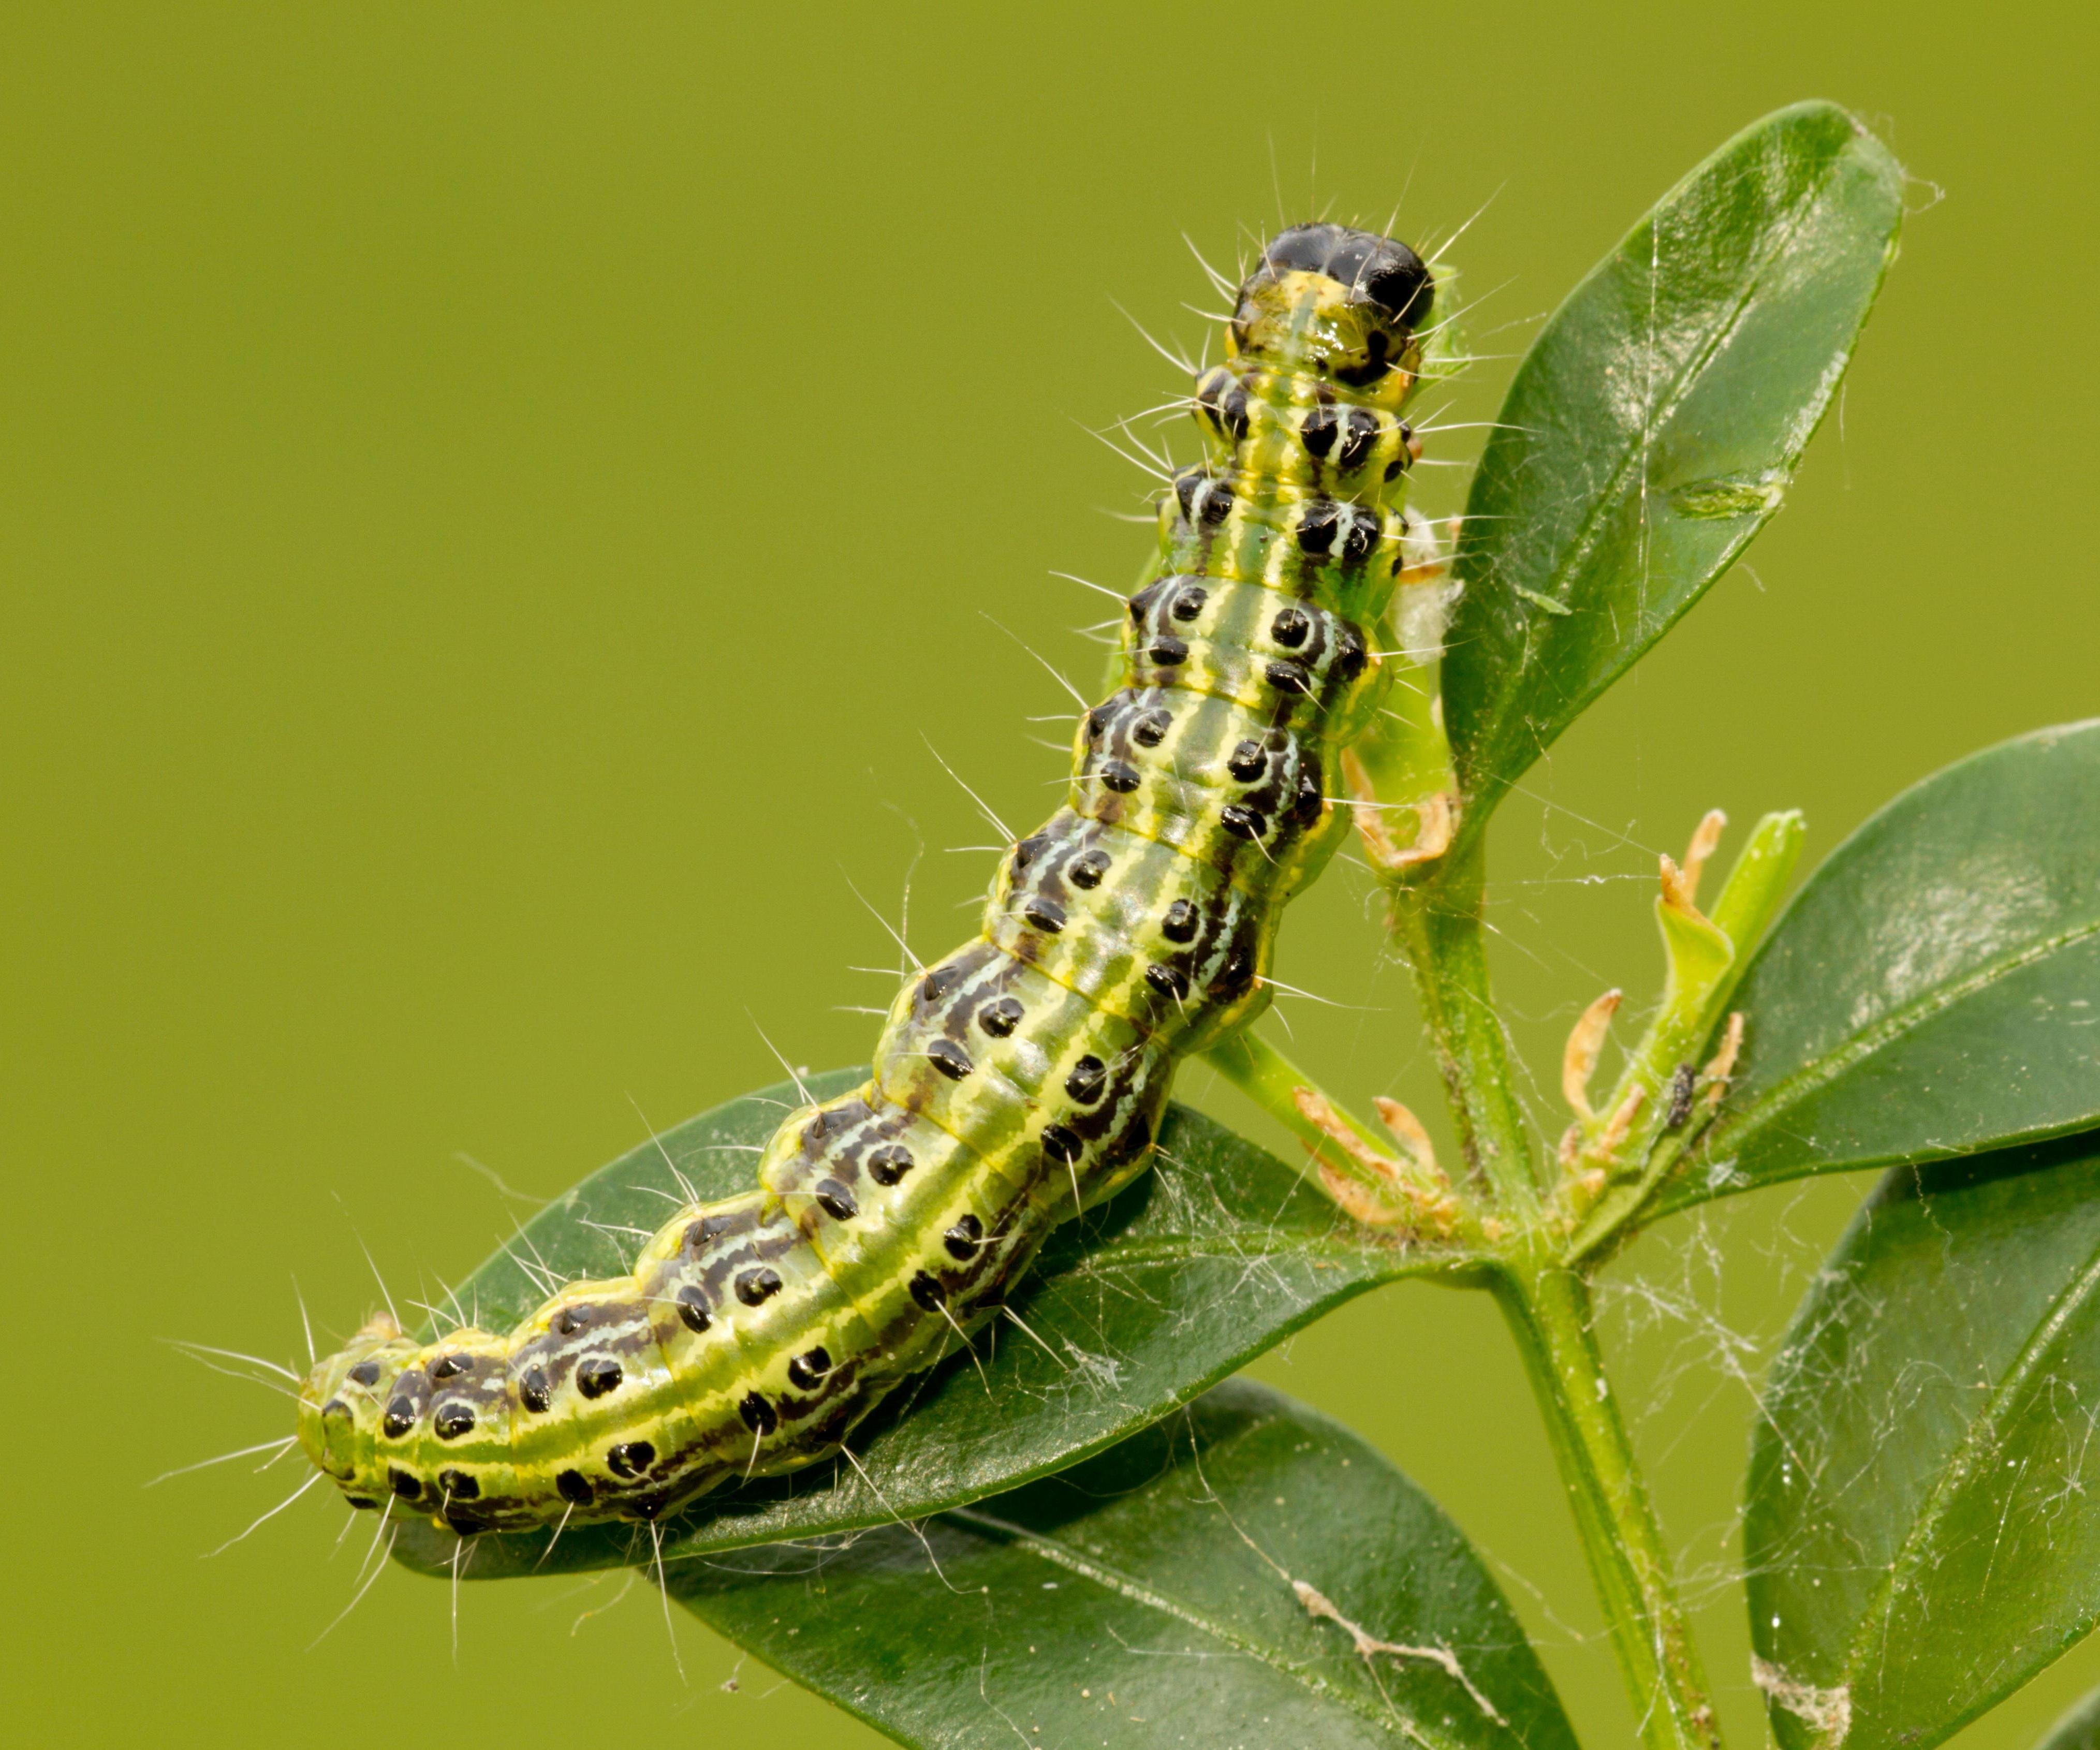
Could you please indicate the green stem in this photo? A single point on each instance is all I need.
(1548, 1309)
(1438, 918)
(1439, 923)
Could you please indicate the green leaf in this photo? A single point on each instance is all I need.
(1151, 1597)
(2078, 1729)
(1655, 425)
(1217, 1253)
(1934, 989)
(1923, 1528)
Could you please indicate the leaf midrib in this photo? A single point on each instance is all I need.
(1126, 1586)
(1938, 1501)
(1855, 1048)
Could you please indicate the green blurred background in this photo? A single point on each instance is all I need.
(501, 501)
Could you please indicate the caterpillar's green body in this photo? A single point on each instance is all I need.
(1020, 1078)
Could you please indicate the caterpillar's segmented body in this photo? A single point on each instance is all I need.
(1020, 1078)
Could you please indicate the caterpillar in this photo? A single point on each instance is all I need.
(1020, 1080)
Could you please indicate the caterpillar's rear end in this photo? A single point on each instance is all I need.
(1020, 1078)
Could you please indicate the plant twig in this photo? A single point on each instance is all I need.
(1439, 925)
(1548, 1309)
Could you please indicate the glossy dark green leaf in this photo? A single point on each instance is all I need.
(1217, 1253)
(1655, 425)
(1923, 1528)
(1934, 989)
(1153, 1596)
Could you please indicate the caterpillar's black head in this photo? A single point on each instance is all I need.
(1340, 303)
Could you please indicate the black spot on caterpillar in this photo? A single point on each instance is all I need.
(1022, 1078)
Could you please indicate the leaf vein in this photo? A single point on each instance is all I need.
(1125, 1586)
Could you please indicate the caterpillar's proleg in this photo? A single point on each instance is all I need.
(1022, 1077)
